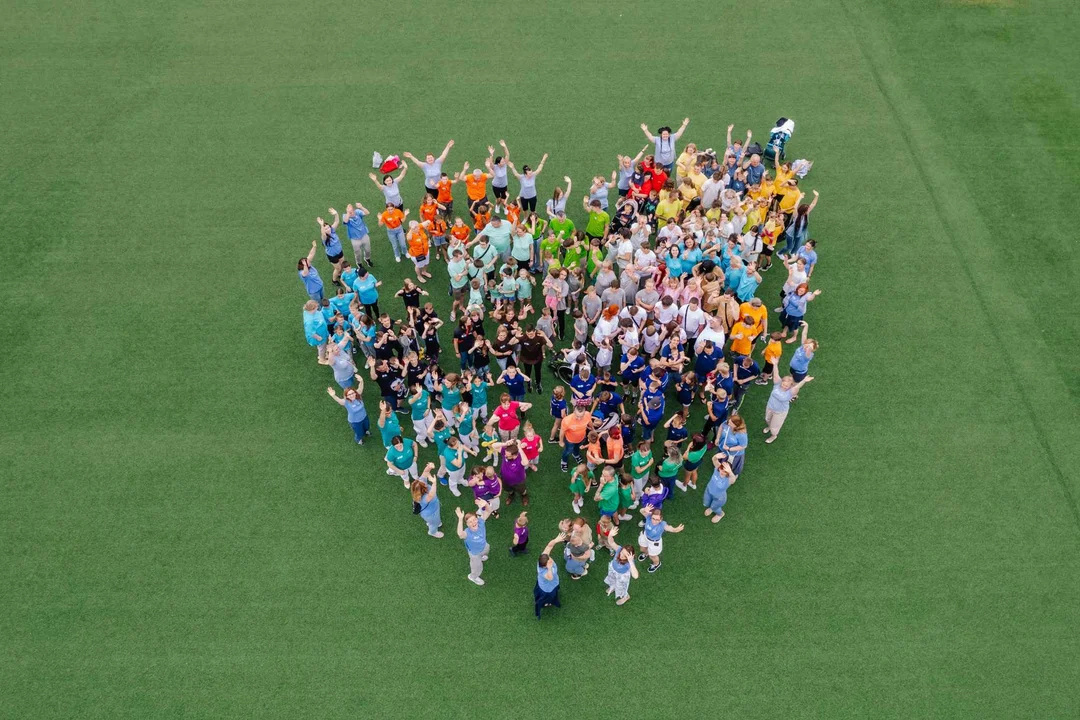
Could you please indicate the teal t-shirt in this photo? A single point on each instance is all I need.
(404, 458)
(419, 406)
(479, 394)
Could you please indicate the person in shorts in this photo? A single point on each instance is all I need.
(651, 538)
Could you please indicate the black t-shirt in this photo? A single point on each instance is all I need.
(465, 339)
(532, 349)
(385, 380)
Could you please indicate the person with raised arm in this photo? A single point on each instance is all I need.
(527, 178)
(431, 166)
(472, 529)
(664, 144)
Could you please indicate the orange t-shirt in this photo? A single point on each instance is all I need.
(428, 211)
(437, 227)
(476, 188)
(742, 339)
(443, 186)
(758, 315)
(574, 427)
(512, 214)
(480, 220)
(417, 242)
(773, 351)
(392, 218)
(461, 232)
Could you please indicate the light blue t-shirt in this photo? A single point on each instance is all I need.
(429, 509)
(542, 580)
(476, 540)
(366, 290)
(315, 324)
(747, 287)
(355, 227)
(800, 361)
(332, 244)
(654, 531)
(312, 283)
(356, 410)
(780, 399)
(340, 303)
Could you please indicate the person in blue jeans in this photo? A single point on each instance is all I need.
(715, 496)
(353, 403)
(798, 229)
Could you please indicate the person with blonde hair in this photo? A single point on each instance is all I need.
(579, 551)
(472, 529)
(776, 411)
(620, 570)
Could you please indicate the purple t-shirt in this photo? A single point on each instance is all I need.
(488, 489)
(512, 469)
(521, 535)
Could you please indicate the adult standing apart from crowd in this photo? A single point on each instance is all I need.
(315, 330)
(776, 411)
(527, 178)
(546, 591)
(533, 348)
(353, 402)
(313, 284)
(332, 244)
(800, 361)
(715, 496)
(432, 169)
(620, 570)
(572, 431)
(390, 187)
(357, 230)
(424, 494)
(472, 528)
(392, 219)
(664, 144)
(499, 178)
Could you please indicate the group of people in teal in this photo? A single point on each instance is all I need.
(652, 332)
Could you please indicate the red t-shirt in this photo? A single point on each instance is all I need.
(658, 179)
(508, 416)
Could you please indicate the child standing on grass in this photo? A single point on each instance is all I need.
(580, 483)
(558, 411)
(692, 458)
(772, 354)
(640, 463)
(651, 539)
(532, 445)
(627, 498)
(525, 283)
(521, 535)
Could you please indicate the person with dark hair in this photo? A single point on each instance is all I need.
(664, 144)
(432, 169)
(313, 284)
(527, 178)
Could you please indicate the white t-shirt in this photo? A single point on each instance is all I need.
(691, 320)
(717, 337)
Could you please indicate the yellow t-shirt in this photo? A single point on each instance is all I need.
(773, 351)
(741, 339)
(685, 162)
(668, 208)
(697, 177)
(790, 199)
(758, 315)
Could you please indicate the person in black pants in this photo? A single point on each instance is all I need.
(533, 348)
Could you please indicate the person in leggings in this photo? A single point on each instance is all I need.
(533, 347)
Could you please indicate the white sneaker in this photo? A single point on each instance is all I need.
(478, 581)
(454, 491)
(397, 259)
(484, 558)
(681, 486)
(390, 472)
(438, 534)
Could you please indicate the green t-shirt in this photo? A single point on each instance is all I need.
(695, 455)
(566, 227)
(420, 406)
(626, 496)
(573, 256)
(552, 245)
(402, 459)
(598, 222)
(609, 497)
(636, 460)
(670, 468)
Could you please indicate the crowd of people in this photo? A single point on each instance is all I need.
(651, 311)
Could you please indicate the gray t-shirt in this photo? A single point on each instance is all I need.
(554, 206)
(600, 194)
(432, 173)
(780, 399)
(648, 297)
(564, 295)
(591, 305)
(392, 193)
(528, 185)
(665, 149)
(343, 367)
(498, 175)
(603, 281)
(623, 183)
(613, 296)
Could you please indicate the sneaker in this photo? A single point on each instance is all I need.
(443, 481)
(370, 262)
(480, 581)
(436, 534)
(641, 523)
(654, 568)
(389, 471)
(622, 600)
(608, 591)
(360, 442)
(564, 467)
(455, 492)
(642, 557)
(680, 485)
(583, 574)
(625, 518)
(324, 362)
(575, 577)
(484, 558)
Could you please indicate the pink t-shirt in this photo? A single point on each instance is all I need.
(508, 416)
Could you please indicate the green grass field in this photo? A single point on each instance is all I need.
(186, 529)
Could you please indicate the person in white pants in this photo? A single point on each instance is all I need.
(780, 402)
(454, 457)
